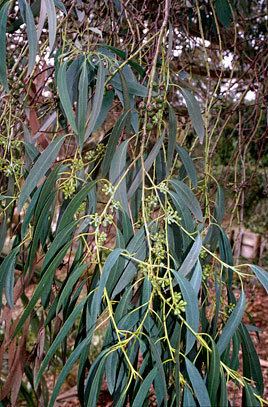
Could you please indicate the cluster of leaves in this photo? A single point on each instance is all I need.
(118, 236)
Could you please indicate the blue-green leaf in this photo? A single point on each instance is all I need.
(97, 100)
(59, 4)
(188, 164)
(191, 309)
(96, 302)
(188, 399)
(113, 141)
(59, 338)
(82, 104)
(41, 286)
(117, 170)
(52, 22)
(144, 388)
(147, 165)
(198, 385)
(64, 95)
(7, 268)
(261, 274)
(232, 324)
(191, 258)
(27, 15)
(224, 12)
(188, 198)
(39, 169)
(194, 112)
(172, 133)
(3, 25)
(196, 278)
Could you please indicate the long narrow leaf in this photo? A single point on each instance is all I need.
(147, 165)
(31, 33)
(172, 133)
(3, 26)
(40, 288)
(116, 174)
(262, 275)
(112, 142)
(39, 170)
(82, 104)
(64, 96)
(194, 112)
(232, 324)
(191, 309)
(97, 101)
(198, 385)
(52, 22)
(188, 164)
(191, 258)
(59, 338)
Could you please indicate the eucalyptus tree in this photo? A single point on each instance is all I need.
(106, 226)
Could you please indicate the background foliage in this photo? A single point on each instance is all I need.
(108, 109)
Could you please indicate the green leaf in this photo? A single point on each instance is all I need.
(188, 399)
(224, 393)
(224, 12)
(117, 170)
(196, 278)
(96, 302)
(60, 240)
(191, 309)
(251, 363)
(188, 198)
(144, 388)
(67, 368)
(172, 134)
(31, 34)
(232, 324)
(113, 141)
(82, 104)
(191, 258)
(59, 339)
(7, 268)
(65, 97)
(198, 385)
(97, 100)
(219, 207)
(160, 384)
(213, 376)
(3, 25)
(96, 382)
(52, 22)
(250, 399)
(41, 286)
(67, 289)
(39, 229)
(73, 206)
(147, 165)
(261, 274)
(60, 6)
(137, 247)
(105, 107)
(188, 165)
(194, 113)
(39, 169)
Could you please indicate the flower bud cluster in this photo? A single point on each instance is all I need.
(96, 153)
(172, 216)
(178, 303)
(96, 220)
(159, 246)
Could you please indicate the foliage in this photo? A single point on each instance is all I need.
(114, 230)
